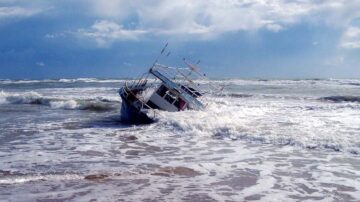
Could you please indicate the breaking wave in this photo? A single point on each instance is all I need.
(263, 96)
(91, 80)
(78, 80)
(98, 104)
(277, 124)
(2, 97)
(237, 95)
(341, 98)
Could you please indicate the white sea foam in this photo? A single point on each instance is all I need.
(68, 104)
(32, 97)
(301, 123)
(3, 96)
(26, 98)
(83, 80)
(31, 178)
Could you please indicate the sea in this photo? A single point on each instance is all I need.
(266, 140)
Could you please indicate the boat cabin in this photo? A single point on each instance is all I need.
(166, 99)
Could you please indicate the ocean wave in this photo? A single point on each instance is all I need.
(25, 98)
(277, 123)
(97, 104)
(3, 97)
(237, 95)
(280, 83)
(264, 96)
(350, 82)
(341, 98)
(25, 81)
(354, 82)
(78, 80)
(67, 104)
(92, 80)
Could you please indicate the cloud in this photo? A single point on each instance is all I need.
(40, 64)
(105, 32)
(56, 35)
(337, 13)
(120, 20)
(199, 19)
(7, 12)
(274, 27)
(207, 19)
(117, 9)
(351, 38)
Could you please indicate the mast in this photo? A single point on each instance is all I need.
(162, 51)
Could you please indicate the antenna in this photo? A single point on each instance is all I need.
(162, 51)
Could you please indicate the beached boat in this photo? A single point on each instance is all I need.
(161, 88)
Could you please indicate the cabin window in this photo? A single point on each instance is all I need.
(194, 93)
(177, 103)
(161, 91)
(169, 97)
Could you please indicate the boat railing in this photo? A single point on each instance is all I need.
(183, 79)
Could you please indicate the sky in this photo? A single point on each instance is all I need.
(42, 39)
